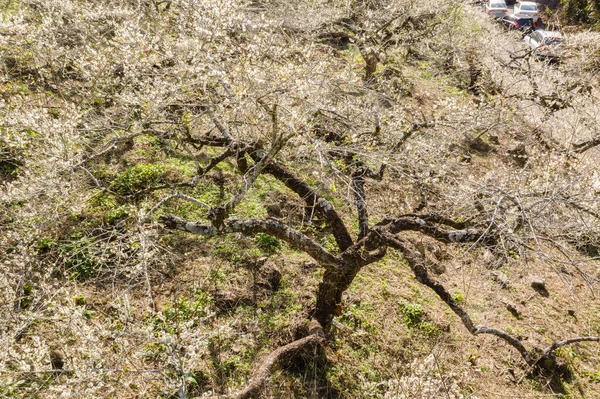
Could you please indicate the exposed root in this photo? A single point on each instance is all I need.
(265, 369)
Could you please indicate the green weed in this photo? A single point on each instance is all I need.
(182, 310)
(78, 257)
(414, 317)
(138, 178)
(267, 243)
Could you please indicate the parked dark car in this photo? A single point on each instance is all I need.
(516, 22)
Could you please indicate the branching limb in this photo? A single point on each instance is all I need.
(215, 161)
(311, 197)
(251, 227)
(412, 223)
(176, 195)
(314, 200)
(220, 213)
(358, 188)
(569, 341)
(416, 262)
(415, 127)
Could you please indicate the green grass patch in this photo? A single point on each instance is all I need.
(182, 310)
(137, 178)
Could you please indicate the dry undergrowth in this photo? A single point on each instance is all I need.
(95, 100)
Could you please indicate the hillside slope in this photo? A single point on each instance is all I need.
(119, 118)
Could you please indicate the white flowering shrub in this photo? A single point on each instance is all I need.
(425, 380)
(100, 102)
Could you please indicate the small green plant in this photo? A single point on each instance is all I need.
(267, 243)
(114, 215)
(360, 316)
(79, 300)
(152, 351)
(231, 253)
(473, 356)
(26, 296)
(78, 257)
(45, 244)
(138, 178)
(566, 353)
(413, 314)
(458, 297)
(182, 310)
(593, 375)
(11, 159)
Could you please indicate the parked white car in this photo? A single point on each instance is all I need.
(496, 8)
(527, 9)
(547, 45)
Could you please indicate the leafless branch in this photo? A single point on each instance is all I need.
(272, 227)
(416, 262)
(176, 195)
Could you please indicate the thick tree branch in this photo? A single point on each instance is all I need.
(251, 227)
(416, 262)
(413, 223)
(314, 200)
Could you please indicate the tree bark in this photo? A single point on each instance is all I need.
(315, 201)
(262, 373)
(329, 296)
(251, 227)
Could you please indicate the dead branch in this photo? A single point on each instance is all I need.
(586, 145)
